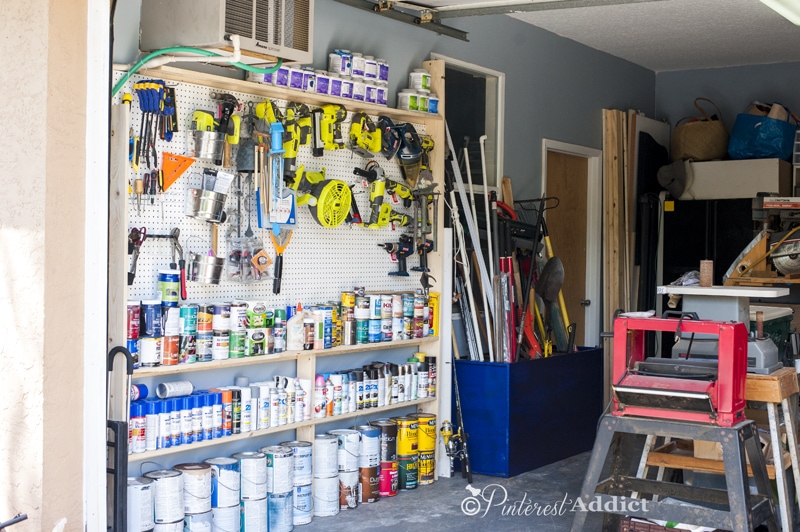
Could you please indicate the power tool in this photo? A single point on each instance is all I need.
(380, 212)
(425, 174)
(399, 251)
(399, 218)
(297, 132)
(365, 137)
(423, 248)
(267, 113)
(329, 200)
(399, 191)
(326, 123)
(390, 137)
(228, 105)
(410, 154)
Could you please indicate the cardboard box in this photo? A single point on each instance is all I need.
(739, 179)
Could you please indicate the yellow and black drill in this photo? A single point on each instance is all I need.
(326, 123)
(380, 212)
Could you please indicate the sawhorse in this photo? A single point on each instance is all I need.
(733, 509)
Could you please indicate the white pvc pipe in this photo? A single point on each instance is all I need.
(482, 141)
(235, 57)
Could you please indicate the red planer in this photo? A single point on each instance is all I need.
(702, 390)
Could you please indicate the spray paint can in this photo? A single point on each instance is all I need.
(136, 428)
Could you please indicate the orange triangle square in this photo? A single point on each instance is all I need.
(174, 166)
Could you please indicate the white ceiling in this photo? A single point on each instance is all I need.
(666, 35)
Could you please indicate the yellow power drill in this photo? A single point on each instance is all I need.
(380, 212)
(326, 123)
(297, 131)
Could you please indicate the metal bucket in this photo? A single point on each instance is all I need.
(205, 144)
(204, 205)
(205, 269)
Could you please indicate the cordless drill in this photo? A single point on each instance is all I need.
(423, 248)
(297, 127)
(399, 250)
(380, 212)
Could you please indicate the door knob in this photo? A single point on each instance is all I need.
(586, 302)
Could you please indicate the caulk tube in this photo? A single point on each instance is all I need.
(167, 390)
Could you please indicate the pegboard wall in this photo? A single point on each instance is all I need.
(319, 263)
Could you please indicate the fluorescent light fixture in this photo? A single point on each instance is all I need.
(789, 9)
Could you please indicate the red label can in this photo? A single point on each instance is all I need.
(169, 350)
(389, 479)
(134, 312)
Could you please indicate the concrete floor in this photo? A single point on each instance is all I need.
(500, 506)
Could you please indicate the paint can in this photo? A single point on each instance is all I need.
(225, 481)
(253, 471)
(419, 78)
(227, 518)
(302, 469)
(348, 490)
(133, 349)
(369, 452)
(177, 526)
(150, 318)
(196, 487)
(408, 328)
(169, 350)
(362, 331)
(426, 431)
(302, 504)
(426, 468)
(203, 346)
(386, 329)
(256, 342)
(254, 515)
(361, 311)
(256, 314)
(280, 512)
(407, 100)
(407, 471)
(150, 352)
(170, 321)
(205, 316)
(348, 299)
(374, 331)
(382, 306)
(140, 504)
(326, 496)
(198, 522)
(407, 437)
(169, 286)
(398, 329)
(388, 479)
(133, 319)
(280, 467)
(221, 319)
(369, 484)
(388, 439)
(167, 495)
(326, 459)
(220, 345)
(349, 332)
(375, 306)
(238, 316)
(236, 343)
(187, 349)
(188, 318)
(349, 442)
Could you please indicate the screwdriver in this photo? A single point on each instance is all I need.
(153, 188)
(138, 189)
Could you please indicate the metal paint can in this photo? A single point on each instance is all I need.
(133, 319)
(280, 511)
(386, 306)
(426, 431)
(133, 349)
(236, 343)
(255, 342)
(198, 522)
(386, 329)
(397, 306)
(302, 505)
(349, 332)
(369, 451)
(326, 496)
(187, 349)
(238, 316)
(188, 319)
(419, 327)
(407, 471)
(388, 439)
(170, 321)
(426, 467)
(177, 526)
(280, 468)
(362, 331)
(221, 319)
(326, 458)
(169, 350)
(205, 316)
(256, 314)
(375, 302)
(140, 504)
(361, 311)
(302, 468)
(398, 329)
(167, 495)
(374, 331)
(407, 438)
(348, 299)
(408, 327)
(219, 345)
(408, 305)
(196, 487)
(203, 348)
(150, 318)
(149, 351)
(169, 286)
(369, 484)
(225, 481)
(253, 471)
(227, 518)
(348, 490)
(348, 445)
(389, 479)
(254, 515)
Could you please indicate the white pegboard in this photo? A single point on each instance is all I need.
(319, 263)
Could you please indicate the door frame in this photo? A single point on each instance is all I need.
(594, 209)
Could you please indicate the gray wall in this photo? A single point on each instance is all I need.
(732, 89)
(555, 88)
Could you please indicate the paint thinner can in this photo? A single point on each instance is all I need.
(407, 471)
(225, 481)
(280, 468)
(348, 444)
(386, 329)
(238, 316)
(362, 331)
(196, 487)
(374, 331)
(348, 490)
(170, 321)
(326, 496)
(254, 515)
(140, 504)
(302, 504)
(369, 484)
(227, 518)
(169, 285)
(407, 439)
(326, 459)
(302, 468)
(203, 347)
(426, 431)
(205, 317)
(236, 343)
(253, 471)
(150, 319)
(187, 349)
(388, 439)
(167, 495)
(369, 451)
(198, 522)
(221, 318)
(149, 351)
(361, 311)
(389, 479)
(280, 512)
(133, 319)
(426, 467)
(169, 350)
(256, 314)
(220, 345)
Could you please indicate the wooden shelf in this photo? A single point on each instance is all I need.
(287, 355)
(150, 455)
